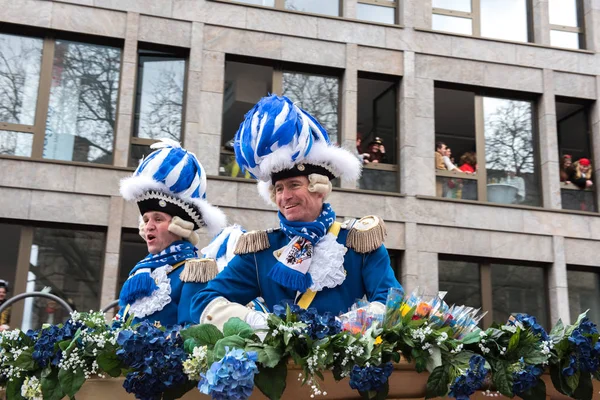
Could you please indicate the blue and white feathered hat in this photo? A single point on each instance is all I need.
(278, 139)
(172, 180)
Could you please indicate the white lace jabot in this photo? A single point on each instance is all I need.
(158, 299)
(327, 264)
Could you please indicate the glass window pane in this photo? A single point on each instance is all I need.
(319, 95)
(267, 3)
(579, 200)
(69, 262)
(457, 5)
(584, 294)
(326, 7)
(504, 19)
(370, 12)
(452, 24)
(136, 153)
(379, 180)
(456, 188)
(159, 98)
(16, 143)
(20, 62)
(462, 282)
(563, 12)
(568, 40)
(10, 236)
(83, 103)
(512, 174)
(518, 289)
(133, 249)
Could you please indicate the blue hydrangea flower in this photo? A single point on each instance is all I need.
(571, 368)
(526, 379)
(370, 378)
(530, 322)
(156, 358)
(44, 352)
(319, 325)
(232, 377)
(465, 385)
(587, 327)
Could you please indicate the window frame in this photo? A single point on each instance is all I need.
(38, 129)
(382, 3)
(485, 281)
(475, 17)
(579, 29)
(481, 176)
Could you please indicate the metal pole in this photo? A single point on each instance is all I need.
(21, 296)
(111, 305)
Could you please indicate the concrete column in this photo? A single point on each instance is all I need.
(591, 17)
(349, 103)
(349, 9)
(205, 94)
(419, 269)
(417, 132)
(558, 291)
(548, 139)
(127, 91)
(416, 14)
(595, 139)
(110, 272)
(541, 22)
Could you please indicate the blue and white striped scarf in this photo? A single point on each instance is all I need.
(311, 231)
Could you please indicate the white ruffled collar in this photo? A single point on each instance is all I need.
(327, 264)
(159, 298)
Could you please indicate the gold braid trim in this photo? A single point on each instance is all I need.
(199, 270)
(251, 242)
(367, 234)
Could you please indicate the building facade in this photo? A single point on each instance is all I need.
(87, 85)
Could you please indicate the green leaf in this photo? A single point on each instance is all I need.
(585, 389)
(271, 381)
(538, 392)
(502, 378)
(110, 363)
(25, 360)
(179, 391)
(232, 342)
(50, 386)
(382, 393)
(64, 344)
(13, 389)
(471, 338)
(70, 382)
(557, 380)
(437, 384)
(204, 334)
(573, 381)
(189, 345)
(558, 329)
(535, 358)
(234, 326)
(268, 356)
(513, 343)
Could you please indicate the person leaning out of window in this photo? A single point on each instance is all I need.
(566, 168)
(5, 315)
(581, 174)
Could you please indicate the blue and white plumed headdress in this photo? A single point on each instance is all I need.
(173, 181)
(278, 139)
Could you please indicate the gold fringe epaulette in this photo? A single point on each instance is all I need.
(366, 234)
(251, 242)
(199, 270)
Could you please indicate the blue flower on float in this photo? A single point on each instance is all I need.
(232, 377)
(571, 368)
(45, 340)
(587, 327)
(529, 321)
(319, 325)
(466, 384)
(370, 378)
(526, 379)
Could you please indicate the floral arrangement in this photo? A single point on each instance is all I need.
(362, 345)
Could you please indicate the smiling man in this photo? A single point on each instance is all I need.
(169, 187)
(310, 259)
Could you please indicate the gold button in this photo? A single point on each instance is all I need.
(209, 317)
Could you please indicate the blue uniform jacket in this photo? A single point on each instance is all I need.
(246, 277)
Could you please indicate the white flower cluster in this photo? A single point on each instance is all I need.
(428, 347)
(547, 346)
(10, 372)
(74, 360)
(421, 333)
(458, 349)
(31, 389)
(503, 351)
(194, 363)
(509, 328)
(483, 349)
(489, 393)
(312, 362)
(352, 352)
(442, 338)
(315, 390)
(293, 328)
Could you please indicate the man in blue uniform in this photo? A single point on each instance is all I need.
(310, 258)
(169, 187)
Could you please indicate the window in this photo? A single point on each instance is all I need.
(246, 81)
(566, 24)
(382, 11)
(133, 249)
(486, 148)
(500, 289)
(10, 236)
(574, 147)
(486, 18)
(63, 111)
(377, 137)
(325, 7)
(158, 100)
(584, 293)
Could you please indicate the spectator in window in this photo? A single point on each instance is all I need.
(363, 157)
(581, 173)
(440, 152)
(448, 161)
(376, 151)
(5, 315)
(468, 162)
(566, 167)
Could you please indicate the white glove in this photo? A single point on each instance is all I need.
(258, 320)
